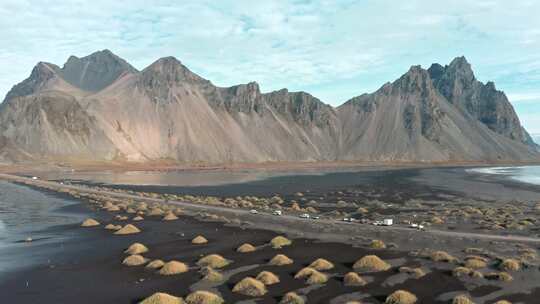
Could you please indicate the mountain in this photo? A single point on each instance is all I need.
(100, 108)
(535, 138)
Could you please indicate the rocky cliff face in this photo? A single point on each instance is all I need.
(100, 108)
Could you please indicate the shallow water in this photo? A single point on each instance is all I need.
(526, 174)
(27, 213)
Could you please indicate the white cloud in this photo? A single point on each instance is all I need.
(333, 49)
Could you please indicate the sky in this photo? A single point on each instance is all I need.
(334, 50)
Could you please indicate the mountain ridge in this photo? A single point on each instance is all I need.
(104, 109)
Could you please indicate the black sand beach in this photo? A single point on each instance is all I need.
(88, 269)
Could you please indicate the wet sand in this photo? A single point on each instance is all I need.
(89, 269)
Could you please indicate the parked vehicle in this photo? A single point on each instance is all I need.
(304, 215)
(316, 217)
(253, 211)
(277, 212)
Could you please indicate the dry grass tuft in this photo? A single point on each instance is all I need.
(170, 217)
(155, 264)
(250, 287)
(377, 244)
(211, 275)
(245, 248)
(401, 297)
(415, 272)
(280, 241)
(312, 276)
(203, 297)
(138, 218)
(510, 265)
(214, 261)
(113, 227)
(461, 271)
(173, 267)
(162, 298)
(321, 264)
(136, 248)
(199, 240)
(442, 256)
(371, 263)
(475, 263)
(500, 276)
(280, 260)
(353, 279)
(291, 298)
(462, 299)
(134, 260)
(503, 302)
(128, 229)
(90, 223)
(267, 277)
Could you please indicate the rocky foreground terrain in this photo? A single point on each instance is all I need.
(100, 108)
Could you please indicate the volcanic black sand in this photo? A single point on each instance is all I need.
(88, 269)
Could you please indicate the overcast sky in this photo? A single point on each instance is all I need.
(333, 49)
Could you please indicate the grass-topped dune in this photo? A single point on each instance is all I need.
(203, 297)
(199, 240)
(279, 242)
(128, 229)
(292, 298)
(401, 297)
(245, 248)
(312, 276)
(136, 248)
(162, 298)
(173, 267)
(268, 278)
(90, 223)
(280, 260)
(462, 299)
(321, 264)
(250, 287)
(134, 260)
(155, 264)
(214, 261)
(353, 279)
(371, 263)
(211, 275)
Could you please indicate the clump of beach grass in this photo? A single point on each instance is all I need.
(311, 275)
(353, 279)
(199, 240)
(138, 218)
(245, 248)
(292, 298)
(170, 217)
(280, 260)
(134, 260)
(90, 223)
(401, 297)
(173, 267)
(162, 298)
(128, 229)
(155, 264)
(267, 277)
(203, 297)
(136, 248)
(442, 256)
(510, 265)
(321, 264)
(371, 263)
(213, 260)
(113, 227)
(250, 287)
(415, 272)
(377, 244)
(280, 241)
(211, 275)
(462, 299)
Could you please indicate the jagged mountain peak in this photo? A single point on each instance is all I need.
(95, 71)
(41, 74)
